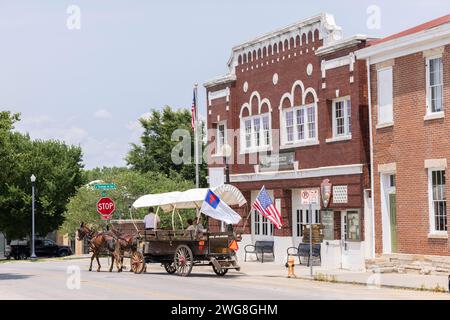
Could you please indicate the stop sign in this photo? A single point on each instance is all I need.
(105, 206)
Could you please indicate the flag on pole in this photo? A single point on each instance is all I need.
(217, 209)
(265, 206)
(194, 112)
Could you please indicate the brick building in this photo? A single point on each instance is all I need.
(410, 98)
(294, 110)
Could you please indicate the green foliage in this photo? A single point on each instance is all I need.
(154, 152)
(58, 171)
(130, 186)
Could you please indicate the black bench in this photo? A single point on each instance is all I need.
(260, 247)
(303, 251)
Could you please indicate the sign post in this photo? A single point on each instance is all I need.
(310, 197)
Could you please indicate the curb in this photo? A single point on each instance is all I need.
(390, 286)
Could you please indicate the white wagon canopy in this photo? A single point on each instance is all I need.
(190, 199)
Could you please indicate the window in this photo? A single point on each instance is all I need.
(434, 85)
(385, 98)
(302, 219)
(256, 132)
(221, 138)
(248, 133)
(352, 226)
(266, 130)
(290, 126)
(300, 124)
(392, 180)
(438, 203)
(262, 226)
(342, 117)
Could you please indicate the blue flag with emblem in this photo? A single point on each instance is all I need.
(215, 208)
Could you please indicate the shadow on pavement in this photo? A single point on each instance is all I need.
(13, 276)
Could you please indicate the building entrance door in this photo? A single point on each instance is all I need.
(301, 216)
(393, 221)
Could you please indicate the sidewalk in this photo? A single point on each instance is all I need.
(393, 280)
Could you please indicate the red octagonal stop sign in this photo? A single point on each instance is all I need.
(105, 206)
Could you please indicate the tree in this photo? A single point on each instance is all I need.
(58, 170)
(130, 185)
(154, 152)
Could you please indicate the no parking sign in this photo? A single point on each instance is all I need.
(309, 196)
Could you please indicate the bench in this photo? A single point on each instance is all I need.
(260, 247)
(303, 251)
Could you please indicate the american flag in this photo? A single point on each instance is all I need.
(193, 112)
(264, 205)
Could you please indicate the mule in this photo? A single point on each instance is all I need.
(98, 242)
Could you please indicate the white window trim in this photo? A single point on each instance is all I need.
(296, 142)
(385, 123)
(219, 151)
(431, 214)
(348, 134)
(429, 115)
(253, 148)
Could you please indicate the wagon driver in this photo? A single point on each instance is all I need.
(151, 220)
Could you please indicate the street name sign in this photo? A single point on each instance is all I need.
(105, 186)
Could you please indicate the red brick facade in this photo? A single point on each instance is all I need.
(405, 147)
(408, 143)
(292, 64)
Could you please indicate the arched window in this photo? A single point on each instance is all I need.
(255, 128)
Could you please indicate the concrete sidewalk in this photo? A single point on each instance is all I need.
(373, 280)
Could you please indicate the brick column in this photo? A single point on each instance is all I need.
(286, 212)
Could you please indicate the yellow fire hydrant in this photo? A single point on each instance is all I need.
(290, 265)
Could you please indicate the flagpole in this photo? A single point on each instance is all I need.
(197, 178)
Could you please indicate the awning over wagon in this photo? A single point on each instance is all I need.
(190, 199)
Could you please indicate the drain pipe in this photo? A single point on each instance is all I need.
(372, 169)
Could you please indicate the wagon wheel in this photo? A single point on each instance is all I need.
(183, 260)
(170, 267)
(137, 262)
(219, 273)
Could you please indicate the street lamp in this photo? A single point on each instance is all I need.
(33, 254)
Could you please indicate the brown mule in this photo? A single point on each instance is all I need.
(98, 242)
(124, 242)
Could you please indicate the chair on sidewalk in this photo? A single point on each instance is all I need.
(260, 247)
(303, 251)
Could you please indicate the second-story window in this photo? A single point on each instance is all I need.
(385, 96)
(221, 137)
(434, 85)
(342, 117)
(299, 124)
(256, 132)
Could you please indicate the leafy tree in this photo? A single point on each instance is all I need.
(154, 152)
(130, 185)
(58, 170)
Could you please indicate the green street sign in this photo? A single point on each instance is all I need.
(106, 186)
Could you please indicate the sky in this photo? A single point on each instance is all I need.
(88, 86)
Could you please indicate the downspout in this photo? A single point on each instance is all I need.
(372, 169)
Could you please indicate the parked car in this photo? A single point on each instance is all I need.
(21, 250)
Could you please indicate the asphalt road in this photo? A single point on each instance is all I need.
(59, 280)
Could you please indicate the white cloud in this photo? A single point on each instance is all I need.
(103, 114)
(135, 126)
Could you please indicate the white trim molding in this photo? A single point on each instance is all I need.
(213, 95)
(409, 44)
(387, 168)
(299, 174)
(348, 60)
(438, 164)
